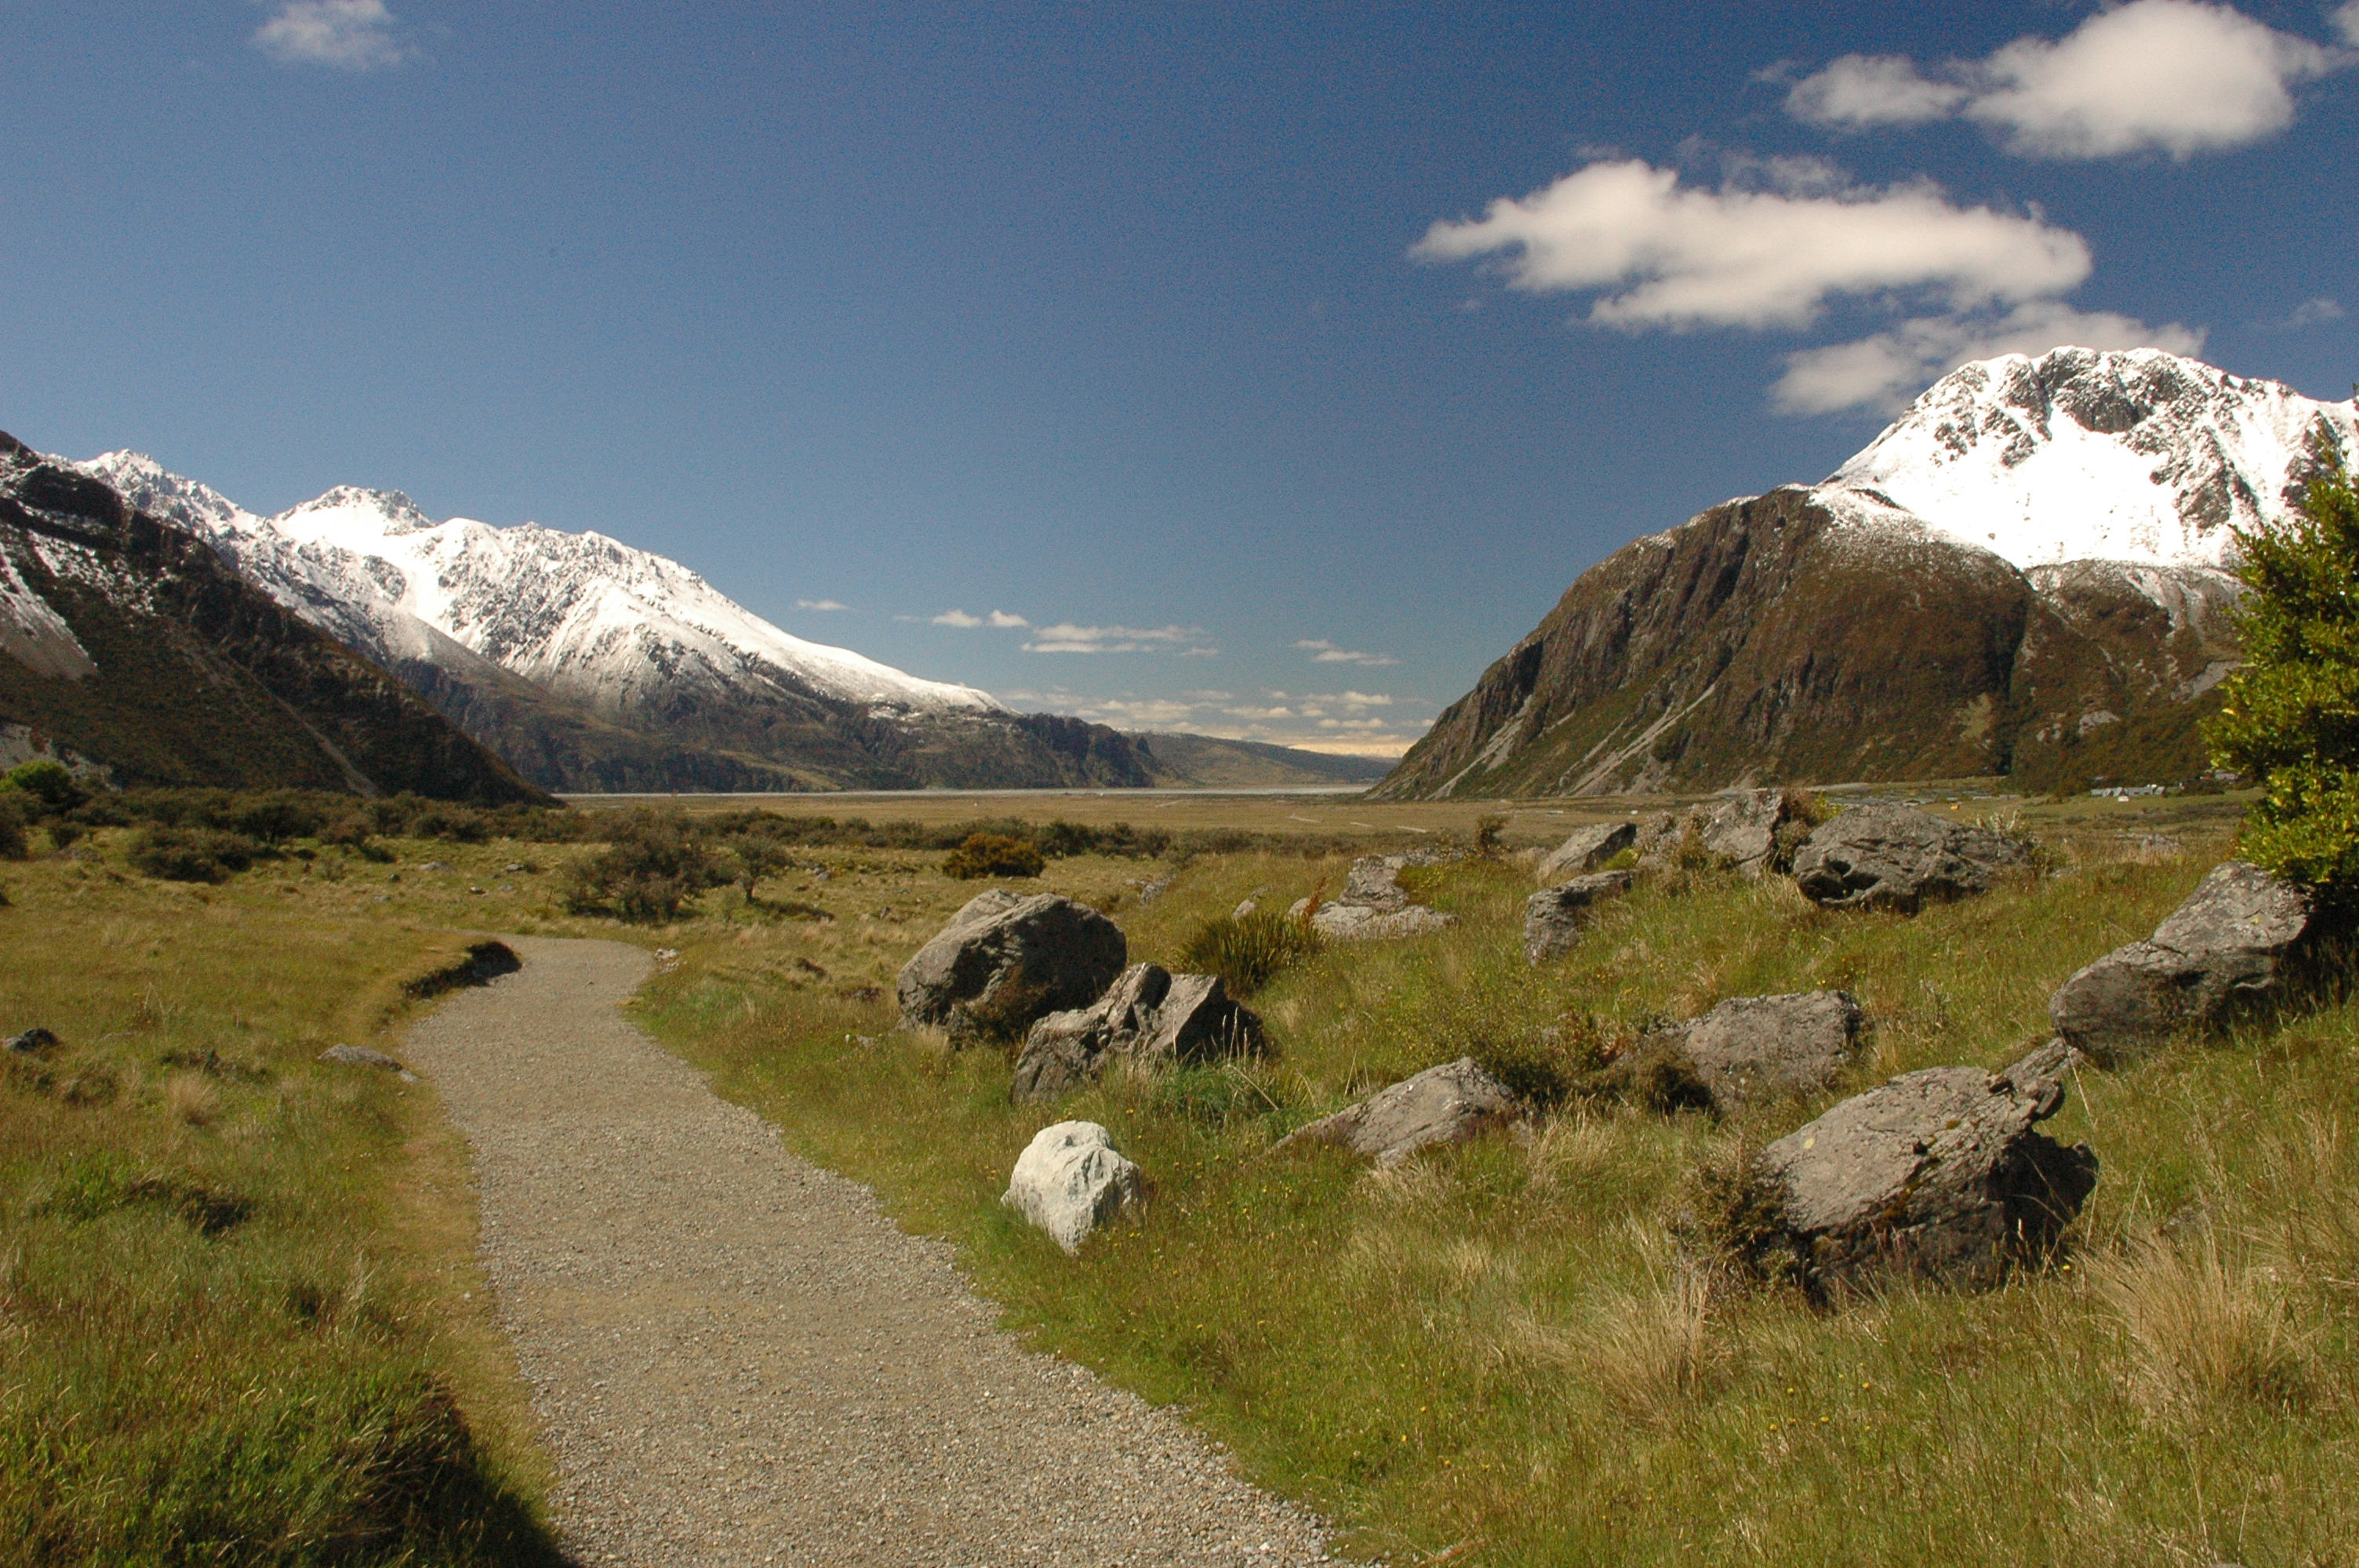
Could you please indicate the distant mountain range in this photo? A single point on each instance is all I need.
(2022, 575)
(129, 642)
(593, 666)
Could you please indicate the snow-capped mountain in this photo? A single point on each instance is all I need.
(618, 629)
(2021, 575)
(2078, 455)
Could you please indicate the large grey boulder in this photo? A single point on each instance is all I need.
(1010, 960)
(1070, 1180)
(1447, 1104)
(1756, 1047)
(1739, 830)
(1198, 1020)
(1882, 855)
(1553, 917)
(1373, 905)
(1066, 1050)
(2226, 945)
(1937, 1172)
(1587, 849)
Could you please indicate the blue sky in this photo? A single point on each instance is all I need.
(1275, 367)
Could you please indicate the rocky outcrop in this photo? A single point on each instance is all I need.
(1756, 1047)
(1449, 1104)
(1937, 1172)
(1553, 917)
(1585, 850)
(1070, 1180)
(1374, 906)
(1880, 855)
(1148, 1013)
(1004, 962)
(2226, 948)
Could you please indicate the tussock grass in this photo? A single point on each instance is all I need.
(1507, 1349)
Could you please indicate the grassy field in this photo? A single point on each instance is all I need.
(1507, 1354)
(243, 1319)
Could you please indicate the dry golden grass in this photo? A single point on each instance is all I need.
(2204, 1329)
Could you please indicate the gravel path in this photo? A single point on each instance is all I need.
(738, 1359)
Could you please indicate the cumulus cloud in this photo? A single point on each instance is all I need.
(2175, 76)
(1884, 371)
(1325, 653)
(1066, 637)
(1661, 255)
(1781, 240)
(1349, 722)
(821, 604)
(349, 35)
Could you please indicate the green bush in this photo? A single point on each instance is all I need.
(991, 855)
(652, 867)
(14, 845)
(2290, 716)
(1246, 951)
(47, 782)
(192, 854)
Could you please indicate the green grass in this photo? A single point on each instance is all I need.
(1504, 1349)
(240, 1315)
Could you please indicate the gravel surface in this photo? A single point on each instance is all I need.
(738, 1359)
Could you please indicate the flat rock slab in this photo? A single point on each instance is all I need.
(738, 1359)
(1447, 1104)
(2225, 947)
(1354, 922)
(1585, 850)
(1754, 1047)
(1881, 855)
(1937, 1172)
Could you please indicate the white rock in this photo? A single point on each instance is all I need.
(1070, 1180)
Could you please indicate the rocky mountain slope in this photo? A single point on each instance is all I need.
(595, 666)
(2022, 575)
(129, 642)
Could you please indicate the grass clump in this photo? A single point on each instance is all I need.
(1249, 950)
(993, 855)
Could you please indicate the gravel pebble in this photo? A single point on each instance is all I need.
(737, 1358)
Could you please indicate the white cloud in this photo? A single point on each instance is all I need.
(1661, 255)
(1884, 371)
(1778, 242)
(821, 604)
(1325, 653)
(1065, 637)
(998, 619)
(2175, 76)
(957, 618)
(1859, 89)
(2311, 312)
(351, 34)
(1006, 622)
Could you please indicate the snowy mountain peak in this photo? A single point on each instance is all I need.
(620, 629)
(2136, 455)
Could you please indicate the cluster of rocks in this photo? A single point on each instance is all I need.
(1148, 1013)
(1884, 855)
(1375, 906)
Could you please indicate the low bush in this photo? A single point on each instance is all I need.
(192, 854)
(990, 855)
(649, 870)
(1247, 951)
(14, 844)
(46, 781)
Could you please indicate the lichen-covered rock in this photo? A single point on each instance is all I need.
(1553, 917)
(2226, 945)
(1937, 1172)
(1197, 1021)
(1753, 1047)
(1070, 1180)
(1882, 855)
(1447, 1104)
(1587, 849)
(1353, 923)
(1013, 959)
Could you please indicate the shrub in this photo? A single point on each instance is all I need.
(1490, 834)
(652, 868)
(2290, 716)
(990, 855)
(192, 854)
(1248, 951)
(14, 845)
(48, 782)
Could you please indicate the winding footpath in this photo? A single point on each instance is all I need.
(738, 1359)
